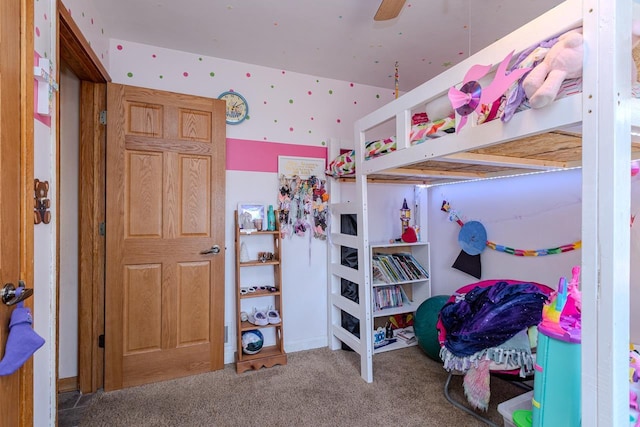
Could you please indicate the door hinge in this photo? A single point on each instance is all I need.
(103, 117)
(102, 229)
(101, 341)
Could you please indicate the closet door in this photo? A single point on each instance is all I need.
(164, 291)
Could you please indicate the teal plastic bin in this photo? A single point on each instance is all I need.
(556, 384)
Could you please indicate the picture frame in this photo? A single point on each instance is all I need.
(251, 217)
(304, 167)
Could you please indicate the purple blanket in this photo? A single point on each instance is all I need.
(487, 317)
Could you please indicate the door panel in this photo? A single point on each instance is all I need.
(193, 313)
(165, 205)
(144, 177)
(142, 308)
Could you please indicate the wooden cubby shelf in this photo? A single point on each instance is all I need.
(266, 273)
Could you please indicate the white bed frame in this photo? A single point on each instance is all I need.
(608, 116)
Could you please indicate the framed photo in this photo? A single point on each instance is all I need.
(251, 217)
(304, 167)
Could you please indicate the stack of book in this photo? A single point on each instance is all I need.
(397, 267)
(389, 297)
(406, 334)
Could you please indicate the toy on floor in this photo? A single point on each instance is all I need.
(425, 325)
(558, 362)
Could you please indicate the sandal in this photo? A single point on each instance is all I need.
(273, 316)
(258, 318)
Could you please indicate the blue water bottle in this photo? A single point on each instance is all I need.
(271, 219)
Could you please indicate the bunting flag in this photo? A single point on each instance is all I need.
(473, 239)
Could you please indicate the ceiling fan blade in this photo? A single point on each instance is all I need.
(388, 9)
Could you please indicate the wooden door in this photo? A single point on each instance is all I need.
(16, 254)
(165, 205)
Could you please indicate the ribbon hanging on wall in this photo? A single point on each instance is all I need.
(473, 239)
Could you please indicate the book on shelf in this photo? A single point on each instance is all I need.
(379, 275)
(389, 268)
(391, 296)
(380, 344)
(406, 334)
(418, 271)
(397, 267)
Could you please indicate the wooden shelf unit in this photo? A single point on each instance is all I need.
(267, 241)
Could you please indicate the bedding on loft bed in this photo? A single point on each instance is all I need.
(511, 102)
(423, 130)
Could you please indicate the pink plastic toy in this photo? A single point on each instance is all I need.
(634, 366)
(561, 315)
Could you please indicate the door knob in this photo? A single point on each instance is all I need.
(215, 249)
(10, 294)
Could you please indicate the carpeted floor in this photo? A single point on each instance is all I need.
(317, 387)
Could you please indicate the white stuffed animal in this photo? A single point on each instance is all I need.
(563, 61)
(635, 41)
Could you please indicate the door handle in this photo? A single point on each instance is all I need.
(10, 295)
(215, 249)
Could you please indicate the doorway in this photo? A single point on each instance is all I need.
(86, 78)
(81, 61)
(68, 154)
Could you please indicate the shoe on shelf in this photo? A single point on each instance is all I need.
(258, 318)
(273, 316)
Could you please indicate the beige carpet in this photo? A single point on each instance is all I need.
(316, 388)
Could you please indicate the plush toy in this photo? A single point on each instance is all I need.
(409, 235)
(41, 203)
(635, 42)
(563, 61)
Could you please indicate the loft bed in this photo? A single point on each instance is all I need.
(596, 129)
(500, 154)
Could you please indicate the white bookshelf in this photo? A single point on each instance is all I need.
(417, 290)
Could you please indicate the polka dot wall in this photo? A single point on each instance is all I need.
(284, 106)
(42, 27)
(89, 22)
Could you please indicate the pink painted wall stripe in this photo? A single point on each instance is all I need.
(260, 156)
(46, 120)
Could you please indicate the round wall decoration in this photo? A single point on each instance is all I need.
(237, 107)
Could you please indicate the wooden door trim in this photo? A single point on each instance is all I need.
(91, 213)
(26, 183)
(113, 320)
(76, 52)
